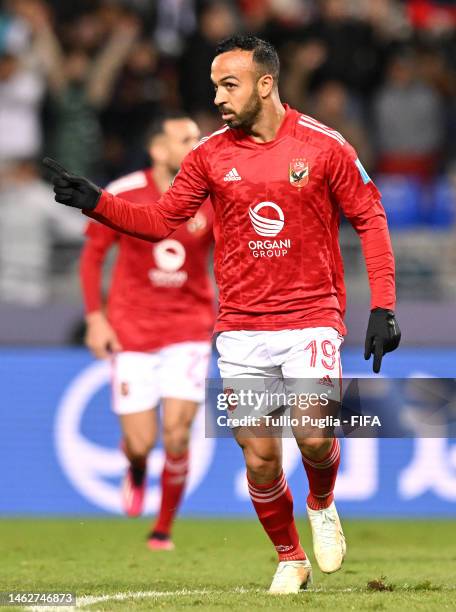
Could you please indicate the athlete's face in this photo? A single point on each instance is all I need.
(178, 138)
(239, 89)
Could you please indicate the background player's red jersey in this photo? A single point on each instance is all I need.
(277, 207)
(160, 293)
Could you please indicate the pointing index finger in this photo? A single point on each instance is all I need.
(378, 354)
(55, 167)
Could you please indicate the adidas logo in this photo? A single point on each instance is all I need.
(284, 547)
(232, 175)
(326, 380)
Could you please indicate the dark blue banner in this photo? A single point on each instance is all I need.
(59, 451)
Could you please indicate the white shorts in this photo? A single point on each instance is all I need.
(140, 380)
(291, 361)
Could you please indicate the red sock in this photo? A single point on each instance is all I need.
(273, 503)
(174, 477)
(322, 476)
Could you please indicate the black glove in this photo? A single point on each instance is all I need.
(383, 336)
(72, 190)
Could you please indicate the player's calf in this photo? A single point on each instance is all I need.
(178, 415)
(173, 480)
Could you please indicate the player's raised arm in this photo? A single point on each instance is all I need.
(153, 222)
(361, 203)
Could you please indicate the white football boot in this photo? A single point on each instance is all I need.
(291, 577)
(328, 538)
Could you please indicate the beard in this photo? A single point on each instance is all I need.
(248, 115)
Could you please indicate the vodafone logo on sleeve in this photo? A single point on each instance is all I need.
(270, 228)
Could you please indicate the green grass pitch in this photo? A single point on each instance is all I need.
(226, 565)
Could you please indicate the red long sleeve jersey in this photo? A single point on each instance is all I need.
(160, 293)
(277, 205)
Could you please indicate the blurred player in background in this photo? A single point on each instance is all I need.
(278, 180)
(157, 326)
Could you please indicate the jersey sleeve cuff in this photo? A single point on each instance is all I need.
(100, 208)
(102, 201)
(387, 305)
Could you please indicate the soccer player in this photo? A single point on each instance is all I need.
(157, 327)
(278, 180)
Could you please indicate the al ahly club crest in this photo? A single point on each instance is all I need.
(299, 172)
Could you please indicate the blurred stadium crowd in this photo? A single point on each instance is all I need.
(81, 81)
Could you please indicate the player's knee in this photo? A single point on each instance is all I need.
(176, 440)
(263, 464)
(138, 445)
(314, 448)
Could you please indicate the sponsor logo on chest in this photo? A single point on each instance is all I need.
(169, 256)
(268, 227)
(267, 218)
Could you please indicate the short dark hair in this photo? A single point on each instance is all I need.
(264, 54)
(157, 126)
